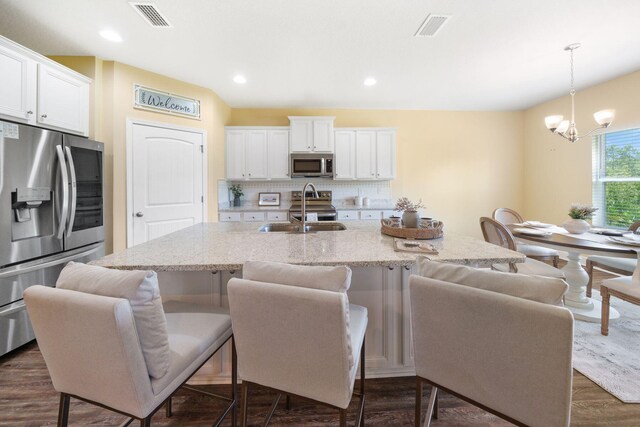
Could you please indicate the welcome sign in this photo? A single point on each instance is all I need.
(145, 98)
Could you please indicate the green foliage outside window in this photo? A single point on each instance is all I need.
(622, 197)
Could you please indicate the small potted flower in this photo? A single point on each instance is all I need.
(236, 190)
(410, 216)
(578, 214)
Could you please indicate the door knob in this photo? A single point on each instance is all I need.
(29, 112)
(44, 116)
(139, 214)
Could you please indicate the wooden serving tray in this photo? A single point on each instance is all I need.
(426, 231)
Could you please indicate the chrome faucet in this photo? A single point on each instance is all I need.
(303, 220)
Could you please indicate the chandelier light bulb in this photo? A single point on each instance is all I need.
(604, 117)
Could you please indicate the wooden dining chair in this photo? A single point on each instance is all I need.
(622, 266)
(496, 233)
(509, 216)
(621, 287)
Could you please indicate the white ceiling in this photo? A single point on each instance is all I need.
(491, 55)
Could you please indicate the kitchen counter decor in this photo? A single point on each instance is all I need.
(410, 215)
(427, 229)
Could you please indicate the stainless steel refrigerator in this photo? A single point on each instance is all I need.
(51, 212)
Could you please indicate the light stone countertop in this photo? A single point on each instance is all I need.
(226, 246)
(284, 206)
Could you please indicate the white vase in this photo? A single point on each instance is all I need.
(410, 219)
(576, 226)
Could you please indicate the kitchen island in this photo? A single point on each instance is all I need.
(195, 264)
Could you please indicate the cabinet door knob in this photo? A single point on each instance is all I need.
(249, 174)
(44, 116)
(139, 214)
(29, 112)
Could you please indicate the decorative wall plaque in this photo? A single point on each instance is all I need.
(145, 98)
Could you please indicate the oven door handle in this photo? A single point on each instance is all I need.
(74, 192)
(13, 308)
(65, 192)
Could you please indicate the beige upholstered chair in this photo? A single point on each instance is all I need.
(500, 341)
(621, 287)
(509, 216)
(623, 266)
(297, 334)
(496, 233)
(106, 340)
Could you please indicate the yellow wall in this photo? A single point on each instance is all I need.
(462, 164)
(557, 172)
(112, 105)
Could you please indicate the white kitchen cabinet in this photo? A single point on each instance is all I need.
(278, 216)
(344, 159)
(311, 134)
(278, 144)
(255, 154)
(365, 154)
(347, 215)
(38, 91)
(370, 215)
(230, 217)
(18, 88)
(253, 216)
(63, 100)
(385, 154)
(389, 214)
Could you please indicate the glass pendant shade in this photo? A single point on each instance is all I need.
(563, 126)
(552, 122)
(604, 117)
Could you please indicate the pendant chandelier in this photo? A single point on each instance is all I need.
(567, 128)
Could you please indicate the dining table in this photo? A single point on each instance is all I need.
(589, 243)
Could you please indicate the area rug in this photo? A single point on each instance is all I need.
(612, 362)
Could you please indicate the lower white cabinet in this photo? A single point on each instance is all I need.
(253, 216)
(348, 215)
(278, 216)
(371, 214)
(230, 217)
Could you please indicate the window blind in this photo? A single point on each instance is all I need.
(616, 178)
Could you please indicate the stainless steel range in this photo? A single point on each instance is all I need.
(320, 205)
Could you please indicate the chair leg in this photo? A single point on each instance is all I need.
(360, 419)
(245, 403)
(287, 403)
(168, 411)
(234, 383)
(589, 268)
(63, 410)
(418, 408)
(556, 261)
(145, 422)
(604, 326)
(343, 418)
(433, 398)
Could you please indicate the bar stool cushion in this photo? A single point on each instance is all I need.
(337, 279)
(626, 264)
(546, 290)
(532, 267)
(141, 289)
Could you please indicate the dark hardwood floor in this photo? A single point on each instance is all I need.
(27, 398)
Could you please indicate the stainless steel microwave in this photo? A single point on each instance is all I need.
(312, 165)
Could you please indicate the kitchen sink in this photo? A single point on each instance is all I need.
(284, 227)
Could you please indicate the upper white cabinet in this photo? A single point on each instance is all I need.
(344, 159)
(38, 91)
(278, 146)
(257, 153)
(365, 154)
(18, 85)
(63, 100)
(311, 134)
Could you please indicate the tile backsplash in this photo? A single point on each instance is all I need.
(343, 191)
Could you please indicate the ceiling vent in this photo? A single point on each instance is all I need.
(151, 14)
(432, 25)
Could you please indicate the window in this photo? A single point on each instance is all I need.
(616, 178)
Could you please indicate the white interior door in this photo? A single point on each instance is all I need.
(166, 170)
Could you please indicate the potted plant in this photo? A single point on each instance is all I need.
(236, 190)
(578, 214)
(410, 216)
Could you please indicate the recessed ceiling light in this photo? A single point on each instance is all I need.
(240, 79)
(111, 35)
(370, 81)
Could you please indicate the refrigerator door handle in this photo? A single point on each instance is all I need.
(13, 308)
(65, 192)
(74, 191)
(22, 270)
